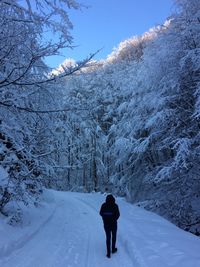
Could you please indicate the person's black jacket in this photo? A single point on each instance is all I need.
(109, 212)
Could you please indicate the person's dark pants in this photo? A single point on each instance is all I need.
(110, 230)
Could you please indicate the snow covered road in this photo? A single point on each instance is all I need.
(72, 235)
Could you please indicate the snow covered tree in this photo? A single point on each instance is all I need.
(160, 125)
(27, 92)
(145, 100)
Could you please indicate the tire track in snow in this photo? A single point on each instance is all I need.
(7, 251)
(88, 228)
(133, 253)
(53, 228)
(132, 248)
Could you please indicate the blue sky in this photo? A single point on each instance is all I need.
(105, 23)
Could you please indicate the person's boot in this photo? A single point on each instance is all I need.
(108, 255)
(114, 250)
(108, 249)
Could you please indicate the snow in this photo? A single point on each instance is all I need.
(66, 230)
(3, 176)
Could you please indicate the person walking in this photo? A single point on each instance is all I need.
(110, 214)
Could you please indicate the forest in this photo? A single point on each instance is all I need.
(128, 124)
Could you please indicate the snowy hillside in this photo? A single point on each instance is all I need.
(67, 231)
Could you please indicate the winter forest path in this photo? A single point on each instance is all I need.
(74, 237)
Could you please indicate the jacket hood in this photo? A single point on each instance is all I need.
(110, 199)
